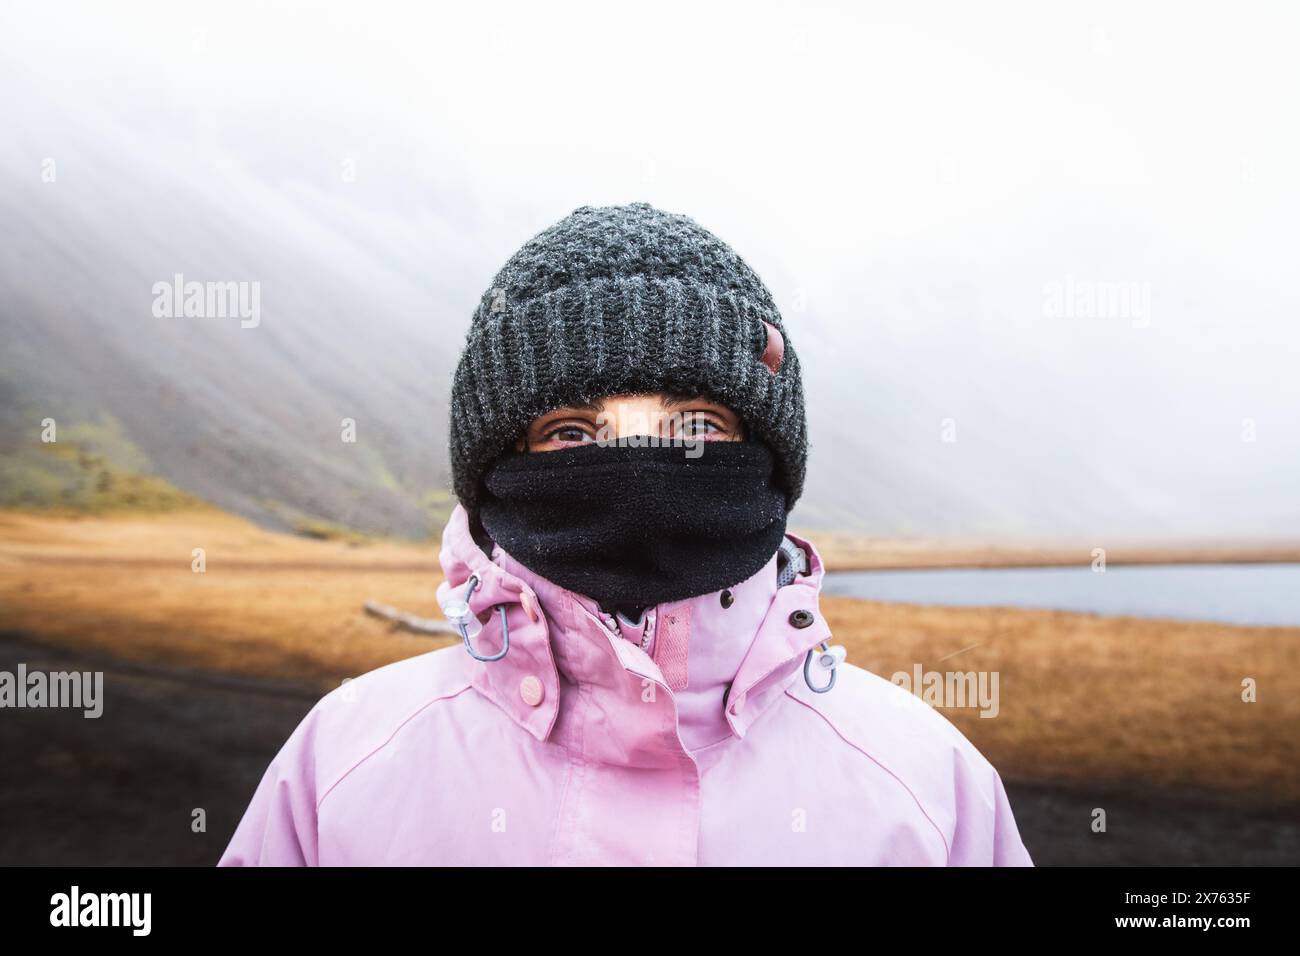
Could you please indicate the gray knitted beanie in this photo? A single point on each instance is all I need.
(620, 299)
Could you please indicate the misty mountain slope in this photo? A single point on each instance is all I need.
(249, 418)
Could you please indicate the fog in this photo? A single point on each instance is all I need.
(1039, 266)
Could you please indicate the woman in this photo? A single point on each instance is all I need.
(644, 675)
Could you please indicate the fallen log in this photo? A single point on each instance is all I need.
(410, 622)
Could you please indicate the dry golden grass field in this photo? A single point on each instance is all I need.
(1084, 699)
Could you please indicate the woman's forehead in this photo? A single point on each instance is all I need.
(665, 399)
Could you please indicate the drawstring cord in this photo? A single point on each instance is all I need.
(458, 612)
(795, 563)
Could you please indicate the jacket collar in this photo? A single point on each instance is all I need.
(720, 666)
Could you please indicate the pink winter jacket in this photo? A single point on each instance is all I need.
(694, 740)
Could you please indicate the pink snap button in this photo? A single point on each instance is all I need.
(531, 690)
(529, 601)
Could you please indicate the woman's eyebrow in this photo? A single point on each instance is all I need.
(584, 406)
(676, 399)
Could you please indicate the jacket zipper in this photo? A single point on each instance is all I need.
(647, 637)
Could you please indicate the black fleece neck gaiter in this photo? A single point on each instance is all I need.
(633, 525)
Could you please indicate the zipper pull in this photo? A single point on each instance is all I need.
(645, 624)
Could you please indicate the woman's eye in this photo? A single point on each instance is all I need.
(699, 425)
(568, 433)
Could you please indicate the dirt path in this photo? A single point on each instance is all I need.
(121, 788)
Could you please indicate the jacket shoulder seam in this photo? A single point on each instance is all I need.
(897, 779)
(402, 723)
